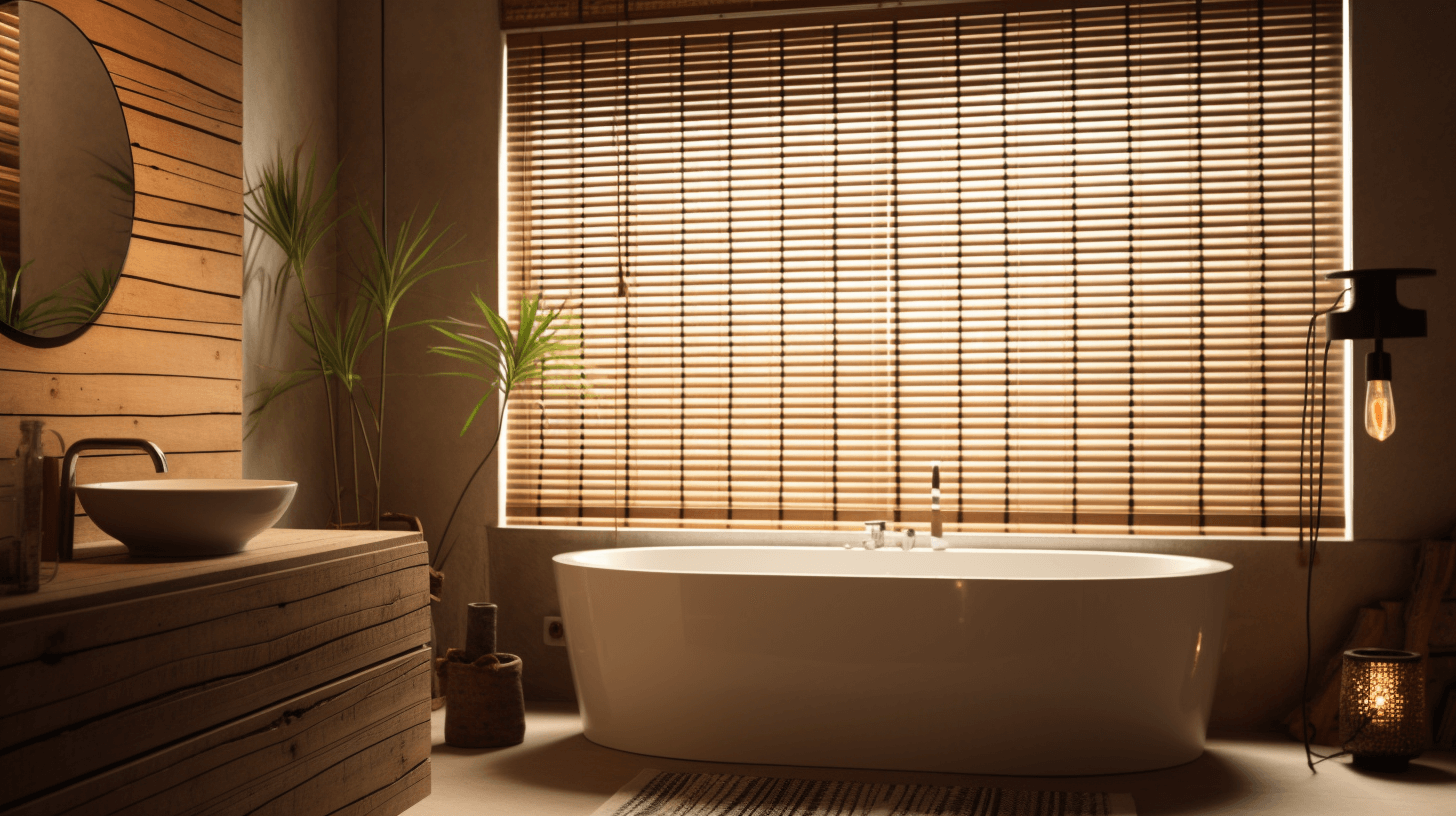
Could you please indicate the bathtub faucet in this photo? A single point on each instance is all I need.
(876, 532)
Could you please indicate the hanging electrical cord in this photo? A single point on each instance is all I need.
(1317, 494)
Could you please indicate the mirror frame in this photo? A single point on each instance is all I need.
(61, 340)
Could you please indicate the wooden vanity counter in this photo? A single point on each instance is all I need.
(291, 678)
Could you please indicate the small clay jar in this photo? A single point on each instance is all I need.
(486, 707)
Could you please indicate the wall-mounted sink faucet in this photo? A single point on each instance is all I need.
(66, 515)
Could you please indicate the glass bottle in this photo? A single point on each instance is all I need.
(27, 496)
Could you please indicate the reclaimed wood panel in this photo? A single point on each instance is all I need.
(261, 757)
(165, 359)
(140, 298)
(141, 35)
(176, 434)
(116, 394)
(106, 350)
(172, 325)
(185, 266)
(290, 678)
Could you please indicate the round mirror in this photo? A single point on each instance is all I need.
(66, 181)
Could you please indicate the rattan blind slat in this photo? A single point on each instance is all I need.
(1070, 254)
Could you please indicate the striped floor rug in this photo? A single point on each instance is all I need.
(658, 793)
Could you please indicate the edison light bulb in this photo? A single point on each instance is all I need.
(1379, 409)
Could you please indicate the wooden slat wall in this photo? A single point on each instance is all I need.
(165, 359)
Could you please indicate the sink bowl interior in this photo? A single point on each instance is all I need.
(186, 517)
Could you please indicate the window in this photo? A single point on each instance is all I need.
(1068, 253)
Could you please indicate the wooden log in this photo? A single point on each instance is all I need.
(1446, 726)
(1394, 637)
(1324, 704)
(1443, 628)
(1433, 575)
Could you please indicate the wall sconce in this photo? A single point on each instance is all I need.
(1383, 707)
(1376, 314)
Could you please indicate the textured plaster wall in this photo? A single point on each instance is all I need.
(290, 92)
(1404, 100)
(442, 121)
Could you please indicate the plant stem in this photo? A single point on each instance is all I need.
(383, 381)
(364, 434)
(444, 551)
(328, 391)
(354, 460)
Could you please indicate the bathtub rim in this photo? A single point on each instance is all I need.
(1207, 566)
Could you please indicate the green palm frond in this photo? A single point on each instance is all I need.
(342, 340)
(122, 178)
(11, 312)
(391, 269)
(268, 394)
(288, 209)
(291, 206)
(76, 303)
(546, 350)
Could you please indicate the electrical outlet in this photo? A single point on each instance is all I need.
(553, 632)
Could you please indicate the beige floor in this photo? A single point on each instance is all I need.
(557, 772)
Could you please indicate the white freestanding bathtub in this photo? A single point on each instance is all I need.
(1039, 662)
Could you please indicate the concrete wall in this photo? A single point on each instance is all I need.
(442, 122)
(290, 91)
(444, 68)
(1404, 101)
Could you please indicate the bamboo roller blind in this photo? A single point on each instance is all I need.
(10, 137)
(1069, 253)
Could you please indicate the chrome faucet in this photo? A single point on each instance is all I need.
(907, 541)
(876, 532)
(937, 531)
(935, 528)
(66, 514)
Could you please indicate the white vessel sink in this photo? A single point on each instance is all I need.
(186, 517)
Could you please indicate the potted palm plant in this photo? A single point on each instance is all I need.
(291, 206)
